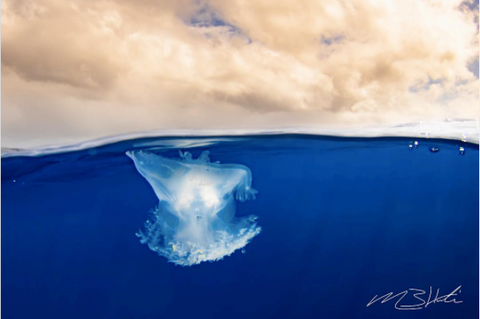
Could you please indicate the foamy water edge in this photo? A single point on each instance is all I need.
(458, 129)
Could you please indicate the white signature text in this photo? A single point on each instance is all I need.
(421, 298)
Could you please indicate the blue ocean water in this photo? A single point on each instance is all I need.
(343, 220)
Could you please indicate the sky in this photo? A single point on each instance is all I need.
(78, 70)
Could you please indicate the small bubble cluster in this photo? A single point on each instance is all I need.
(413, 145)
(434, 149)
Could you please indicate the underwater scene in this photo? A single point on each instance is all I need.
(260, 226)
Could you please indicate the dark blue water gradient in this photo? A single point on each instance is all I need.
(343, 220)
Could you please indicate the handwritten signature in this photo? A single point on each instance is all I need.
(419, 295)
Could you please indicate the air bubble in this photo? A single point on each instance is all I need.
(461, 150)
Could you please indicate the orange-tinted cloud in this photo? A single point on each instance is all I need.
(73, 70)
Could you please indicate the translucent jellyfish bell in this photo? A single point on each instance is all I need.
(195, 219)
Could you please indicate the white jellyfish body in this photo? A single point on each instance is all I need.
(195, 219)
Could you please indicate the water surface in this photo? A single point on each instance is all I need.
(343, 220)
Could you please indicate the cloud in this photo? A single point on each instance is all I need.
(73, 70)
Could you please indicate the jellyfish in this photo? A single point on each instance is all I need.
(195, 218)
